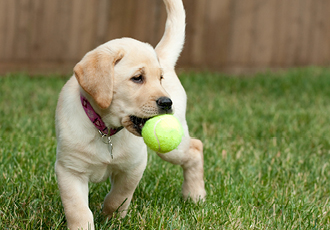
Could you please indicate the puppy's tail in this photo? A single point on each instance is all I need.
(171, 44)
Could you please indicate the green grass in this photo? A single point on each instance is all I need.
(267, 156)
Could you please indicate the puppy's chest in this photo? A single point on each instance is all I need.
(104, 163)
(104, 153)
(99, 173)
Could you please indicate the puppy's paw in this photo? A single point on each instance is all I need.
(193, 187)
(196, 195)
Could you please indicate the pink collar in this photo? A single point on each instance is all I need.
(96, 119)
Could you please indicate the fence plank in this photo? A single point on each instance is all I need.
(260, 50)
(159, 17)
(198, 21)
(291, 28)
(185, 58)
(217, 32)
(103, 19)
(2, 29)
(37, 31)
(280, 34)
(319, 38)
(306, 30)
(10, 30)
(63, 20)
(145, 21)
(241, 36)
(120, 18)
(88, 28)
(49, 38)
(325, 44)
(74, 35)
(21, 48)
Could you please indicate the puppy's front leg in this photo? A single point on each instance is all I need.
(123, 185)
(74, 195)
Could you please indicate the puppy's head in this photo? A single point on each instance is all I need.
(123, 80)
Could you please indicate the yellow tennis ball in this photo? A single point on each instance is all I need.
(162, 133)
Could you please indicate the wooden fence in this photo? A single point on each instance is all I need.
(227, 35)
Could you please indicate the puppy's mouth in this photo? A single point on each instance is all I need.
(135, 124)
(138, 123)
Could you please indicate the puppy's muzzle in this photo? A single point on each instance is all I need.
(164, 105)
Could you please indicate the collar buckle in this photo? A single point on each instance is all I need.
(106, 139)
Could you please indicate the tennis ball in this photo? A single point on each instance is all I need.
(162, 133)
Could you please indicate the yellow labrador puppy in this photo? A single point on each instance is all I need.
(101, 111)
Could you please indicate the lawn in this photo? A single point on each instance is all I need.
(267, 156)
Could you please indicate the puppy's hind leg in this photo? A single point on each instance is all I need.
(193, 171)
(189, 156)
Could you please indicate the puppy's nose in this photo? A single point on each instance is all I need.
(164, 103)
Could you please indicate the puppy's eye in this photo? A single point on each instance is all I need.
(137, 79)
(161, 77)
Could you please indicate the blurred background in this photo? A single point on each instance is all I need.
(233, 36)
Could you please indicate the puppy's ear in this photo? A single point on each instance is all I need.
(95, 74)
